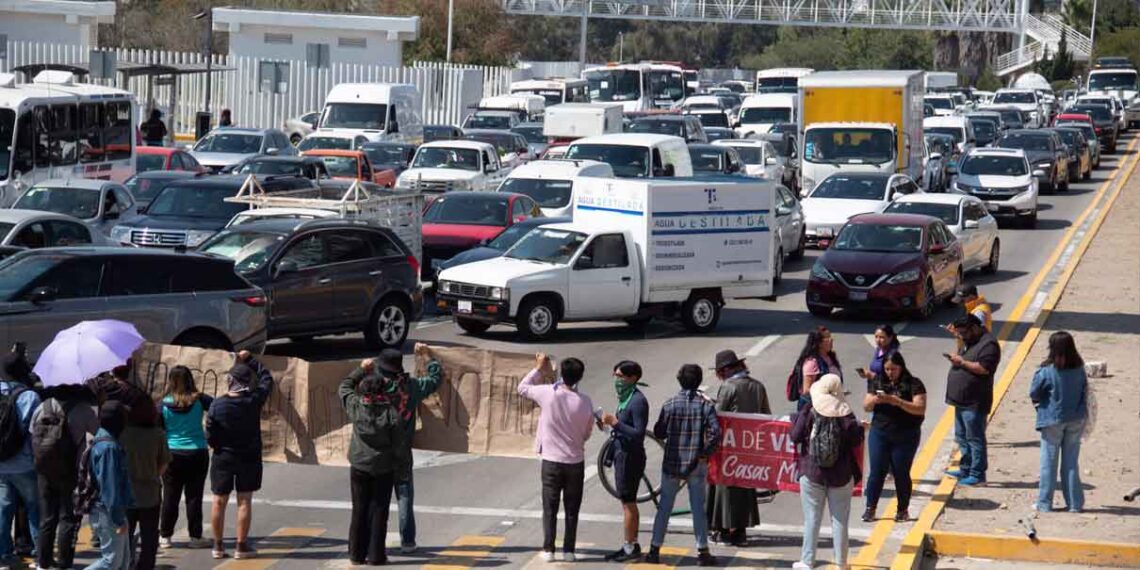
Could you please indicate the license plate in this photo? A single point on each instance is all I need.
(824, 232)
(857, 295)
(993, 207)
(463, 306)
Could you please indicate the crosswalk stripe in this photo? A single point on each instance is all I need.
(750, 559)
(273, 548)
(465, 552)
(671, 556)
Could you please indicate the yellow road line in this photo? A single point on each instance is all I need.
(869, 554)
(1050, 550)
(671, 556)
(468, 549)
(273, 548)
(910, 553)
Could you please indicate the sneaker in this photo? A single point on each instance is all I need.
(408, 548)
(800, 566)
(219, 550)
(243, 551)
(165, 542)
(197, 543)
(955, 473)
(902, 516)
(704, 558)
(654, 556)
(547, 556)
(971, 481)
(868, 515)
(569, 557)
(617, 555)
(623, 556)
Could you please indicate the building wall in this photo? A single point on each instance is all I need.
(250, 41)
(21, 27)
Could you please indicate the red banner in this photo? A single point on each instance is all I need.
(756, 452)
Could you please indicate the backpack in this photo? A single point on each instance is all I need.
(53, 449)
(11, 427)
(824, 443)
(796, 377)
(383, 428)
(87, 489)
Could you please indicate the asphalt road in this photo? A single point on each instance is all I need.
(480, 511)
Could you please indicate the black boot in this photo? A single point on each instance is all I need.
(704, 558)
(869, 514)
(654, 555)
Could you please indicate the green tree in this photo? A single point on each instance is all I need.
(1123, 42)
(1062, 65)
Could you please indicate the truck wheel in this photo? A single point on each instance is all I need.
(537, 319)
(778, 267)
(472, 326)
(819, 310)
(700, 313)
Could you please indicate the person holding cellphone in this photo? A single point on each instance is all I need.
(886, 344)
(898, 402)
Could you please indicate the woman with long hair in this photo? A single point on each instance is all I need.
(1060, 393)
(898, 402)
(816, 359)
(182, 410)
(886, 344)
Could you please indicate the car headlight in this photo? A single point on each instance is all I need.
(904, 277)
(963, 187)
(1044, 164)
(500, 293)
(1024, 189)
(194, 238)
(403, 182)
(818, 271)
(121, 233)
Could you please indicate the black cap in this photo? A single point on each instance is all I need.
(967, 320)
(240, 376)
(965, 292)
(391, 360)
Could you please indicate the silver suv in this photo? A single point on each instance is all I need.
(172, 298)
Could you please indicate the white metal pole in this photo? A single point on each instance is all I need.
(621, 46)
(450, 25)
(1092, 30)
(582, 37)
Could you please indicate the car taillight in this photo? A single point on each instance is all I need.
(251, 300)
(415, 265)
(1098, 130)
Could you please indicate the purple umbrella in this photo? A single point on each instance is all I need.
(86, 350)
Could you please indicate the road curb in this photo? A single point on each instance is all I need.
(1018, 548)
(918, 539)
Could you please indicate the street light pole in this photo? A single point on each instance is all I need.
(450, 24)
(1092, 30)
(621, 46)
(582, 35)
(208, 15)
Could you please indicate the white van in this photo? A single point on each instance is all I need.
(551, 183)
(636, 155)
(957, 126)
(758, 113)
(555, 90)
(379, 111)
(529, 107)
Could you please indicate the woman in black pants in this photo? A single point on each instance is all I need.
(898, 401)
(182, 409)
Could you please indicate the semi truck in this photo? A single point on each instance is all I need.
(865, 121)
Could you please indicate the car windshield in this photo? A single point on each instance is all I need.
(948, 213)
(984, 129)
(474, 210)
(849, 146)
(627, 161)
(939, 145)
(341, 166)
(548, 193)
(552, 96)
(1012, 117)
(879, 238)
(955, 132)
(607, 85)
(145, 162)
(7, 138)
(325, 143)
(364, 116)
(1085, 128)
(750, 115)
(249, 249)
(1097, 112)
(510, 237)
(1019, 97)
(17, 272)
(436, 133)
(504, 143)
(1104, 81)
(712, 119)
(777, 84)
(940, 102)
(844, 187)
(719, 134)
(385, 154)
(1069, 136)
(195, 202)
(439, 157)
(548, 246)
(271, 168)
(230, 143)
(982, 165)
(750, 154)
(4, 229)
(1026, 141)
(78, 202)
(707, 160)
(145, 189)
(665, 84)
(532, 134)
(500, 122)
(658, 127)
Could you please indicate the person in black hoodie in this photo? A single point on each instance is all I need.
(233, 431)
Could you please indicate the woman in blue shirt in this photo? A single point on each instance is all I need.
(886, 344)
(182, 410)
(1059, 392)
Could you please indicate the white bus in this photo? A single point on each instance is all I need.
(780, 79)
(556, 91)
(637, 86)
(57, 128)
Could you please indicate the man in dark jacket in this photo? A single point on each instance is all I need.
(417, 389)
(117, 387)
(627, 429)
(233, 431)
(970, 389)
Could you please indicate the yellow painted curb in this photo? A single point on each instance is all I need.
(184, 137)
(1022, 549)
(909, 556)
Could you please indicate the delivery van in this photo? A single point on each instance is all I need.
(636, 250)
(551, 182)
(379, 111)
(759, 113)
(863, 121)
(636, 155)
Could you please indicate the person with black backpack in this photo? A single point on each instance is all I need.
(60, 427)
(17, 466)
(816, 359)
(826, 434)
(377, 405)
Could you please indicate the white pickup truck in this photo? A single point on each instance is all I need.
(446, 166)
(637, 249)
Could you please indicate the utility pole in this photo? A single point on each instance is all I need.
(582, 36)
(621, 46)
(1092, 32)
(208, 16)
(450, 26)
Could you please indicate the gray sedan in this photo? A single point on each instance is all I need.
(34, 229)
(99, 203)
(226, 146)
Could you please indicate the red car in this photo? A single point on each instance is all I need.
(1073, 118)
(165, 158)
(892, 262)
(458, 221)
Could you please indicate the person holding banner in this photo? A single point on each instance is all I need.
(826, 434)
(628, 431)
(898, 403)
(730, 510)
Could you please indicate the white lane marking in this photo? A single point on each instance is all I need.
(675, 522)
(422, 458)
(762, 344)
(591, 472)
(429, 324)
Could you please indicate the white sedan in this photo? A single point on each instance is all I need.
(34, 229)
(759, 156)
(846, 194)
(969, 220)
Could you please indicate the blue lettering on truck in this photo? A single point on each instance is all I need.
(729, 221)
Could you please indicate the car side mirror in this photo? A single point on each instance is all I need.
(272, 151)
(936, 156)
(783, 211)
(669, 170)
(520, 219)
(42, 295)
(971, 224)
(1039, 173)
(770, 161)
(287, 267)
(584, 262)
(937, 248)
(488, 168)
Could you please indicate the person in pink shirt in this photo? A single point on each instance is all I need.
(564, 424)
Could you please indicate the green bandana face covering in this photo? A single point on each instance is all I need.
(624, 391)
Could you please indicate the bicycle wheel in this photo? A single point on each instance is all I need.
(650, 486)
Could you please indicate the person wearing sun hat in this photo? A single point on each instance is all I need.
(826, 434)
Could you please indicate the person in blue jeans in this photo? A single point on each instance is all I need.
(970, 389)
(417, 389)
(1059, 391)
(107, 468)
(18, 481)
(691, 432)
(897, 401)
